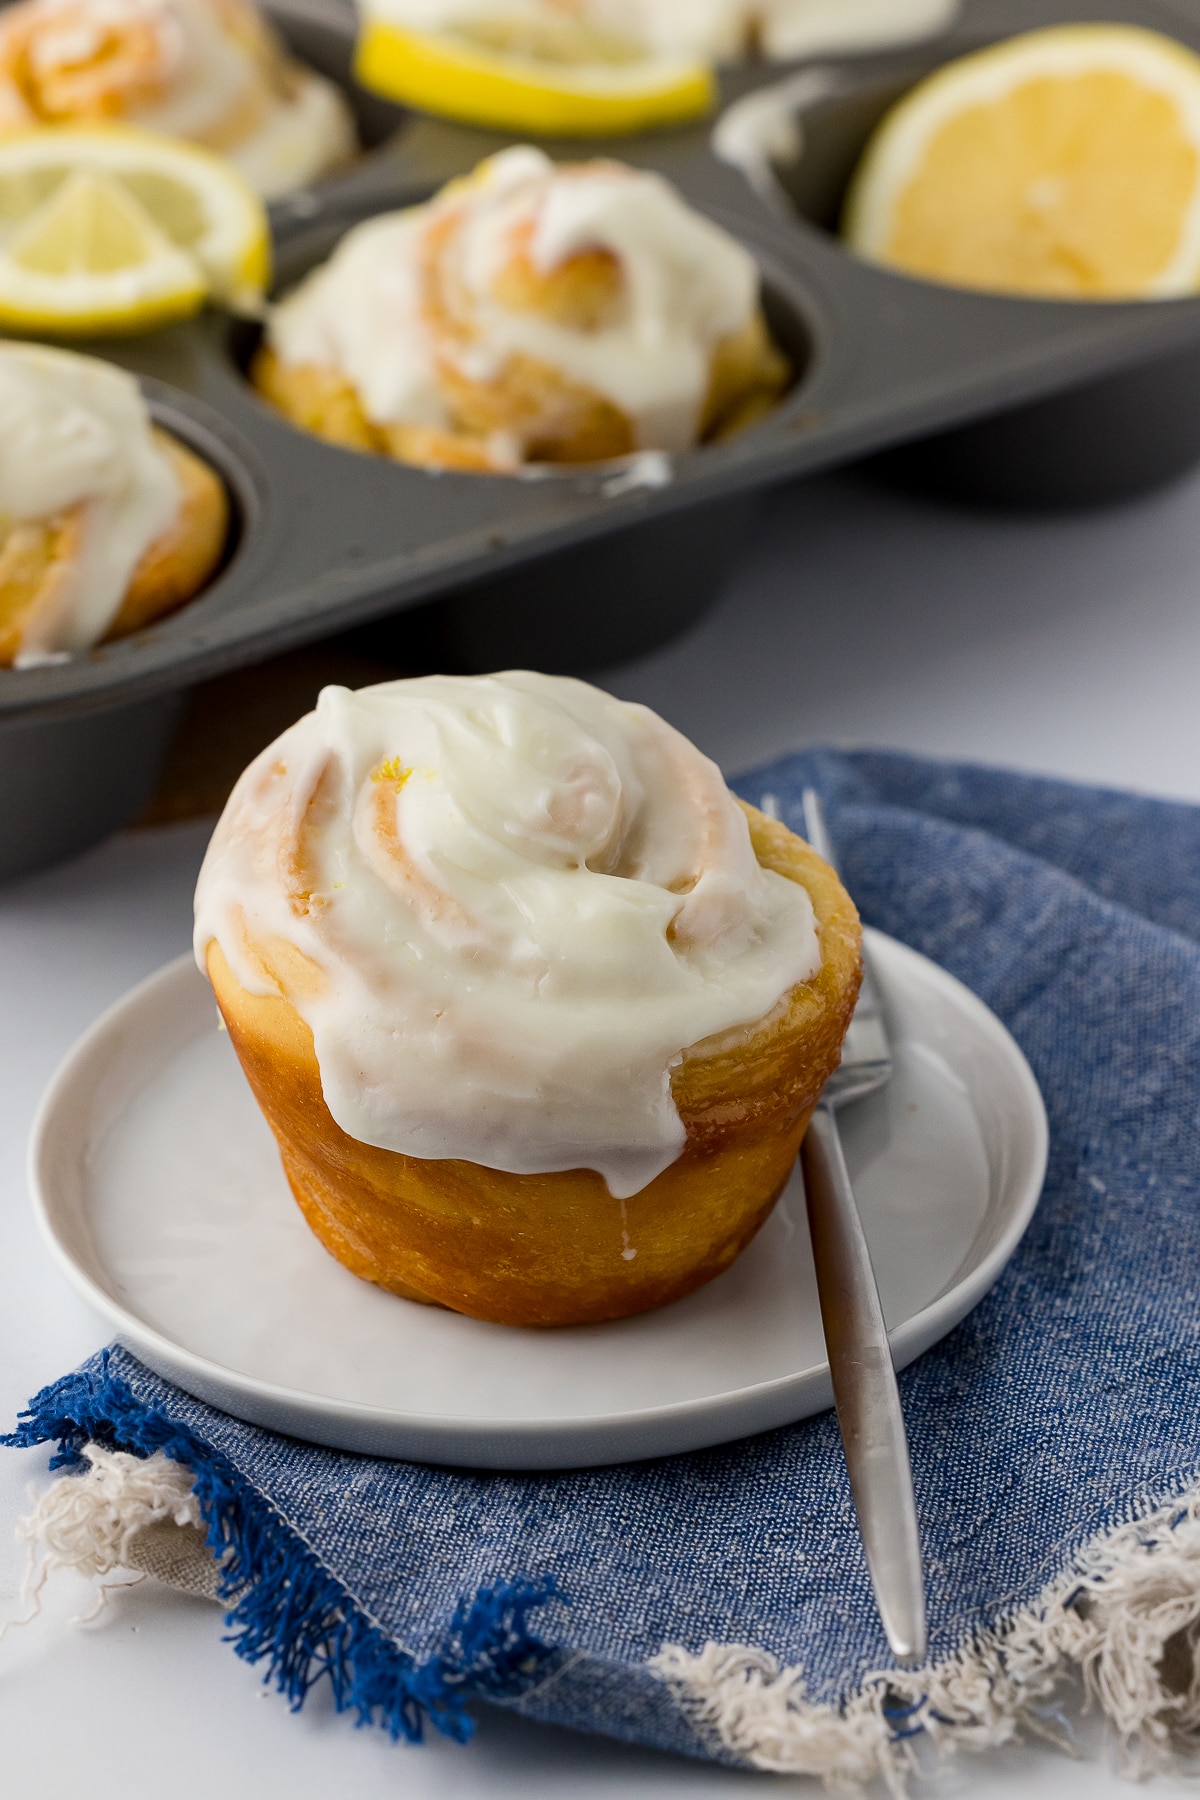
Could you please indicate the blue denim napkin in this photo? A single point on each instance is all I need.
(718, 1603)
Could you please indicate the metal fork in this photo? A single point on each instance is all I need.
(860, 1359)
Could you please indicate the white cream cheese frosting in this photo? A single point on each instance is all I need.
(298, 140)
(790, 29)
(208, 70)
(515, 902)
(709, 30)
(375, 314)
(580, 29)
(77, 434)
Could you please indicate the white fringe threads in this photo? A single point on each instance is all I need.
(127, 1512)
(1126, 1619)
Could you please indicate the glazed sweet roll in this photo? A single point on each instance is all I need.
(212, 71)
(530, 313)
(106, 522)
(537, 1011)
(578, 32)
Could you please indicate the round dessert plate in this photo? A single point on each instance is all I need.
(161, 1194)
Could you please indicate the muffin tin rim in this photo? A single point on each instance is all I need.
(823, 420)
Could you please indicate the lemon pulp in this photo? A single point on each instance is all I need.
(109, 229)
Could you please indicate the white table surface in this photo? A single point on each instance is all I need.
(1070, 646)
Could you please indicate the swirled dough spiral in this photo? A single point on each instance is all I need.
(209, 70)
(529, 313)
(106, 522)
(505, 907)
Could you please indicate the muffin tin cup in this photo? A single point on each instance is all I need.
(988, 397)
(73, 773)
(68, 783)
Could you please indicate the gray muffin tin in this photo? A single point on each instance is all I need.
(988, 397)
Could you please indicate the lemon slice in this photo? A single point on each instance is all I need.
(1062, 163)
(91, 259)
(108, 229)
(571, 83)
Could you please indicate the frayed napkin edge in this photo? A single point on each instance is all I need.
(148, 1498)
(1123, 1620)
(144, 1483)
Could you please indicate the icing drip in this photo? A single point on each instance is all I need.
(77, 435)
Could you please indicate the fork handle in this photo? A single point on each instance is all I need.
(864, 1389)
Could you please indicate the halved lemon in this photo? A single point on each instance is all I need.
(1063, 163)
(108, 229)
(562, 80)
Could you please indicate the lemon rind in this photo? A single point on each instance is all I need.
(23, 311)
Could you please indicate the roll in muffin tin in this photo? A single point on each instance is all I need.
(990, 397)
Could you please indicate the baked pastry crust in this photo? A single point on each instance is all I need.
(526, 408)
(553, 1249)
(180, 561)
(85, 63)
(570, 424)
(36, 556)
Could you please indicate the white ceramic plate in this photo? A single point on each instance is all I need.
(160, 1191)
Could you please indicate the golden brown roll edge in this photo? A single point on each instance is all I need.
(37, 555)
(540, 1250)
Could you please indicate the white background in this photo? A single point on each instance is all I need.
(1070, 646)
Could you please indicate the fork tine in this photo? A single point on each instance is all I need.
(815, 828)
(867, 1037)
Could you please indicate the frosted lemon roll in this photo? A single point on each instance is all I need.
(581, 32)
(209, 70)
(530, 313)
(574, 32)
(536, 1009)
(796, 28)
(106, 522)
